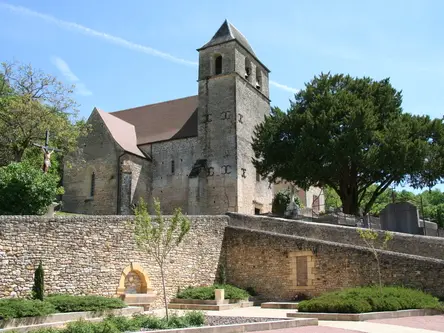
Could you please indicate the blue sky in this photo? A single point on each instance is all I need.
(123, 54)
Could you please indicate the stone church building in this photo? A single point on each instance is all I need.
(193, 152)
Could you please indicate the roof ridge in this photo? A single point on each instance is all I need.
(229, 25)
(152, 104)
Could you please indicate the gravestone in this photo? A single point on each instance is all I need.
(429, 228)
(401, 217)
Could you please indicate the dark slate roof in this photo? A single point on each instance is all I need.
(228, 32)
(176, 119)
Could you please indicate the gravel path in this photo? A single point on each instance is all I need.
(224, 320)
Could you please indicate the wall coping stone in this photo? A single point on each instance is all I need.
(340, 245)
(365, 315)
(424, 246)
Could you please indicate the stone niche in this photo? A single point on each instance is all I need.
(302, 272)
(135, 287)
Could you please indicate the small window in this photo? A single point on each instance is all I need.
(258, 78)
(172, 166)
(93, 185)
(218, 65)
(257, 211)
(247, 68)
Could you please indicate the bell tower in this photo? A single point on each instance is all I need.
(233, 98)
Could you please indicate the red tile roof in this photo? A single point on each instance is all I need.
(175, 119)
(123, 133)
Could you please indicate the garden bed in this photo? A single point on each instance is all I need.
(19, 307)
(193, 322)
(370, 299)
(59, 319)
(208, 293)
(365, 316)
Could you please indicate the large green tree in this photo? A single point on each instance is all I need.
(349, 134)
(32, 102)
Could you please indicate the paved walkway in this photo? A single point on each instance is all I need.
(428, 324)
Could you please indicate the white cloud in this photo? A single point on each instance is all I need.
(64, 69)
(284, 87)
(112, 39)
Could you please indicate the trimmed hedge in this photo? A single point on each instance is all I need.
(17, 308)
(207, 293)
(67, 303)
(119, 324)
(20, 307)
(370, 299)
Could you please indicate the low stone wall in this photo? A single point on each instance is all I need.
(432, 247)
(268, 262)
(87, 254)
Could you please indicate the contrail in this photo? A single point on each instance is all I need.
(94, 33)
(112, 39)
(284, 87)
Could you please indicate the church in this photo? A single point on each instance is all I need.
(194, 152)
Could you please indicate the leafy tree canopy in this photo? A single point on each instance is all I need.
(349, 133)
(32, 102)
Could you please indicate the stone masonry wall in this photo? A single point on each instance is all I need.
(217, 134)
(139, 176)
(251, 109)
(432, 247)
(172, 187)
(266, 262)
(97, 153)
(87, 254)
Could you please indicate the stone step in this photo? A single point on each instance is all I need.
(209, 307)
(279, 305)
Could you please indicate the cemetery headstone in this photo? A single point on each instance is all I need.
(401, 217)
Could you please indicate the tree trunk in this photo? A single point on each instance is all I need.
(18, 154)
(350, 203)
(164, 291)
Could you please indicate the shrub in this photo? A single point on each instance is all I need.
(18, 308)
(118, 324)
(25, 190)
(194, 318)
(370, 299)
(38, 288)
(68, 303)
(207, 293)
(280, 202)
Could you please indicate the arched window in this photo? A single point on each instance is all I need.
(247, 68)
(218, 65)
(172, 166)
(258, 78)
(92, 185)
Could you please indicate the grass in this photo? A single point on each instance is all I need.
(207, 293)
(371, 299)
(20, 307)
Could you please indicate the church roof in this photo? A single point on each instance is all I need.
(228, 32)
(175, 119)
(122, 132)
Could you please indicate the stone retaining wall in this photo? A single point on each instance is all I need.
(268, 262)
(426, 246)
(87, 254)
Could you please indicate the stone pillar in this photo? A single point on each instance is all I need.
(219, 295)
(125, 190)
